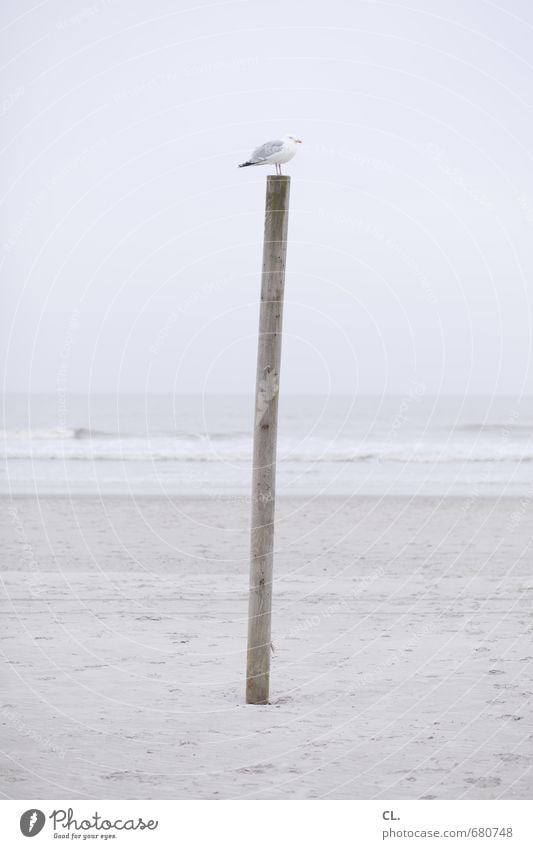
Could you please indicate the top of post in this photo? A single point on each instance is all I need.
(278, 188)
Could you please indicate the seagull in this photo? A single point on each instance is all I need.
(274, 153)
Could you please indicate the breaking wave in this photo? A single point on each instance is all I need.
(227, 450)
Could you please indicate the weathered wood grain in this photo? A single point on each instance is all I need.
(265, 438)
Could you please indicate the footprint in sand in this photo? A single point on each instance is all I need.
(256, 770)
(485, 781)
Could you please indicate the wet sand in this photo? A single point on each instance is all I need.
(402, 663)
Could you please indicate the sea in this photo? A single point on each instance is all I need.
(201, 446)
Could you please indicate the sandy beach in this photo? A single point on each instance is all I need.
(402, 650)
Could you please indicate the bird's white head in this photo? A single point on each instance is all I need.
(293, 139)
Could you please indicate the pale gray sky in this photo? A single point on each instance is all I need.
(131, 244)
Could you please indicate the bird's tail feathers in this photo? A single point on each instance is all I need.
(245, 164)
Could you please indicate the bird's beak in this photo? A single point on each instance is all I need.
(298, 141)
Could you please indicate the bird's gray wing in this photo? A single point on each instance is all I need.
(266, 150)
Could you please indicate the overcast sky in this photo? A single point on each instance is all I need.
(131, 244)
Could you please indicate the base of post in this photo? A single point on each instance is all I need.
(253, 697)
(258, 678)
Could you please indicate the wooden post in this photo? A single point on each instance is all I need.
(265, 437)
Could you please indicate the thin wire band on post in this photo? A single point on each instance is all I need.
(265, 439)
